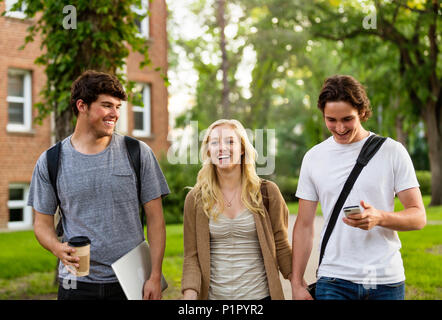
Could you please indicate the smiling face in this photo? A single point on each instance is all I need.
(224, 147)
(343, 121)
(101, 116)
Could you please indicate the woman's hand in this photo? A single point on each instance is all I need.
(190, 294)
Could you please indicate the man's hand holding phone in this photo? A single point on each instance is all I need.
(366, 220)
(348, 211)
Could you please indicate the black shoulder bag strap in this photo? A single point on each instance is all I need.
(133, 149)
(53, 159)
(369, 149)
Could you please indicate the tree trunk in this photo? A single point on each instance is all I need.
(64, 124)
(432, 119)
(63, 128)
(400, 133)
(224, 63)
(401, 136)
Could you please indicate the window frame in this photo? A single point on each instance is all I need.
(20, 204)
(144, 23)
(26, 100)
(146, 111)
(14, 14)
(121, 126)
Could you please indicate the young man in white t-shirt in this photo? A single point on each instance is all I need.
(362, 258)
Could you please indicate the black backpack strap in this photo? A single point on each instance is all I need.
(369, 149)
(133, 150)
(53, 160)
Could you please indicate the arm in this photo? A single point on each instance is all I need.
(191, 281)
(303, 232)
(156, 234)
(45, 233)
(413, 217)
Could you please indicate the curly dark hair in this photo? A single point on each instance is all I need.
(90, 84)
(348, 89)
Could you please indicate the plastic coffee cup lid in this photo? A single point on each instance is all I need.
(79, 241)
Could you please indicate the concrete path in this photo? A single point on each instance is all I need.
(310, 272)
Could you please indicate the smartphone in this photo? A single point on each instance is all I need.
(351, 210)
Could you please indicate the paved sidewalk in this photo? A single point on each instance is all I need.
(310, 272)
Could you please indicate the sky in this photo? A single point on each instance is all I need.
(183, 78)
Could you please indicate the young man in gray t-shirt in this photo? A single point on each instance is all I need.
(96, 185)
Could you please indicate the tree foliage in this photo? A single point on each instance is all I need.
(409, 33)
(105, 32)
(392, 47)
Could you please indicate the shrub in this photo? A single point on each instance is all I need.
(178, 176)
(424, 178)
(287, 186)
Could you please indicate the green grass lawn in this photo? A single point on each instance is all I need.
(422, 256)
(27, 270)
(21, 254)
(173, 261)
(433, 213)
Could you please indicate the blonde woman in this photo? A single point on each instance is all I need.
(234, 247)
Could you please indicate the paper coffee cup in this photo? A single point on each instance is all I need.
(82, 247)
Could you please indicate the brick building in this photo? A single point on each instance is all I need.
(22, 141)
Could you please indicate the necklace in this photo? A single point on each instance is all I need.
(229, 203)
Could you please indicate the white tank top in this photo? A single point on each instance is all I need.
(237, 269)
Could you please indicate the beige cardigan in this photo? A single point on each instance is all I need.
(275, 247)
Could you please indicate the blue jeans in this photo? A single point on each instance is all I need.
(339, 289)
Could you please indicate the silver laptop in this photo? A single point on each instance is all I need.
(133, 269)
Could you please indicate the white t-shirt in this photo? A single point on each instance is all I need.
(360, 256)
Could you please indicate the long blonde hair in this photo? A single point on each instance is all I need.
(207, 189)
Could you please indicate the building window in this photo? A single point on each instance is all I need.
(19, 100)
(20, 215)
(121, 126)
(19, 13)
(142, 119)
(142, 21)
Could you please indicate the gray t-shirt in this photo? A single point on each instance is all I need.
(98, 198)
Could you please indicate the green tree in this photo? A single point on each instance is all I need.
(293, 57)
(397, 39)
(412, 30)
(76, 36)
(215, 57)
